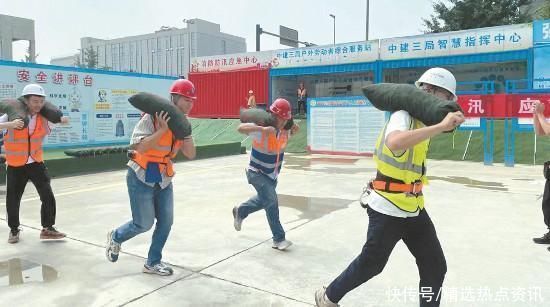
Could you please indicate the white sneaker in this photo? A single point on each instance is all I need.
(112, 248)
(321, 299)
(159, 269)
(281, 245)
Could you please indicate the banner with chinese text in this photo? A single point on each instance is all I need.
(343, 125)
(96, 102)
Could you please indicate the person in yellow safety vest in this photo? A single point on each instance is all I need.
(149, 180)
(542, 127)
(266, 158)
(24, 157)
(395, 203)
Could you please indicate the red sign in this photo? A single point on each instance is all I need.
(73, 79)
(502, 105)
(41, 77)
(23, 75)
(474, 105)
(57, 78)
(521, 105)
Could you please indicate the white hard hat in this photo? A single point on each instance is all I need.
(33, 89)
(439, 77)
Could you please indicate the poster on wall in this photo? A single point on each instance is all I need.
(114, 117)
(96, 102)
(541, 69)
(343, 125)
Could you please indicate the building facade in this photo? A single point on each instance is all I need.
(15, 29)
(165, 52)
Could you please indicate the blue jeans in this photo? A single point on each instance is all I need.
(148, 203)
(418, 234)
(265, 199)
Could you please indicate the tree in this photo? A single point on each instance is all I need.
(90, 58)
(470, 14)
(543, 12)
(28, 58)
(77, 62)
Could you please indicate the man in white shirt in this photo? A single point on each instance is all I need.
(396, 203)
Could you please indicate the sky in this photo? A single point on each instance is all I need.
(59, 24)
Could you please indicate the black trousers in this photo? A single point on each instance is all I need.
(17, 178)
(546, 204)
(383, 233)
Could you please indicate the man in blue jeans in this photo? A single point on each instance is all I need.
(266, 158)
(149, 180)
(396, 203)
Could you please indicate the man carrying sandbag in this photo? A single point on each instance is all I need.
(24, 157)
(266, 158)
(149, 179)
(395, 203)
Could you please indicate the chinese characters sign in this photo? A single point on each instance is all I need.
(24, 75)
(327, 55)
(310, 56)
(96, 102)
(541, 31)
(227, 62)
(495, 39)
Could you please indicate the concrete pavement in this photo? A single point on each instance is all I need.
(485, 217)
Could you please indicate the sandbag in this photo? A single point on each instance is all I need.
(51, 112)
(151, 104)
(423, 106)
(259, 117)
(16, 109)
(262, 118)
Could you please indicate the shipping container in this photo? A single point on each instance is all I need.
(222, 94)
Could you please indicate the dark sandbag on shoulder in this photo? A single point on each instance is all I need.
(423, 106)
(51, 112)
(16, 109)
(261, 118)
(257, 116)
(151, 104)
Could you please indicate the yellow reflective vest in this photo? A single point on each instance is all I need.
(407, 168)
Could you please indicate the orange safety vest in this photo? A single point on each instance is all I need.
(20, 145)
(162, 153)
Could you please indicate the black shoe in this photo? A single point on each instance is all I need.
(545, 239)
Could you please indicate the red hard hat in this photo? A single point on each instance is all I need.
(184, 88)
(281, 107)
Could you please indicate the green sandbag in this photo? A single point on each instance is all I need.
(262, 118)
(15, 109)
(259, 117)
(423, 106)
(151, 104)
